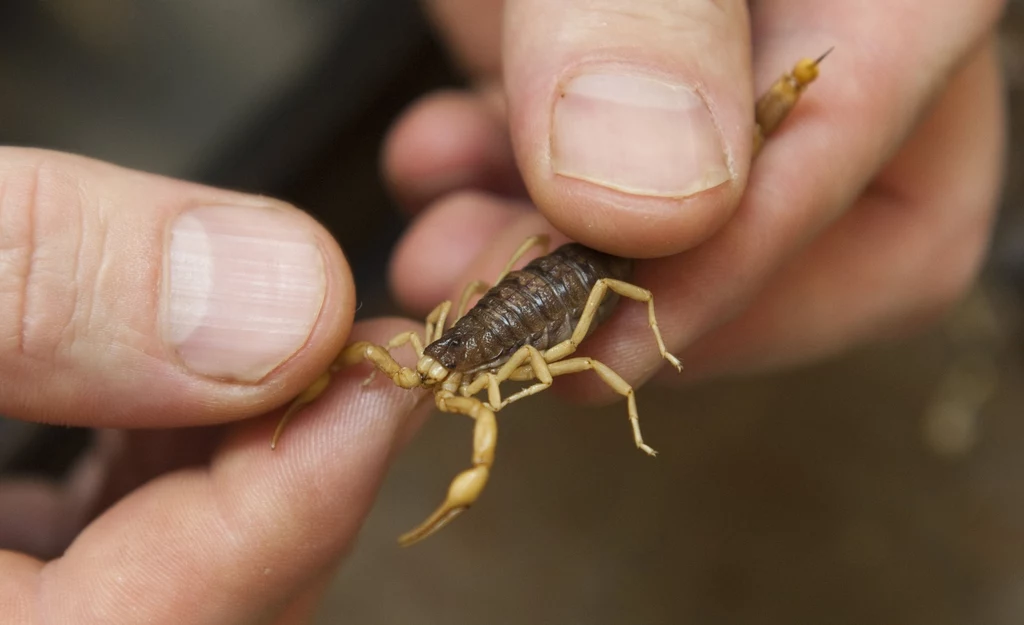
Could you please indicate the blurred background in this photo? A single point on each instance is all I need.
(885, 486)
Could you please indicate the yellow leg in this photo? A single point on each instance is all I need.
(538, 240)
(613, 380)
(597, 295)
(467, 486)
(538, 368)
(351, 355)
(435, 322)
(575, 365)
(399, 340)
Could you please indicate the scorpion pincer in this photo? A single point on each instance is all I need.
(525, 328)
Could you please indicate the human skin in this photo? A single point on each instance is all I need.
(129, 298)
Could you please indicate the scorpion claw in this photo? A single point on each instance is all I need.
(465, 488)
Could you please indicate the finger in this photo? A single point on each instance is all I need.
(127, 299)
(631, 120)
(449, 141)
(900, 257)
(237, 541)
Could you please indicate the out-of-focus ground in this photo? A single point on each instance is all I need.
(883, 486)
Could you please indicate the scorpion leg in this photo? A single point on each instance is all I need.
(613, 380)
(351, 355)
(467, 486)
(538, 240)
(597, 295)
(539, 370)
(435, 321)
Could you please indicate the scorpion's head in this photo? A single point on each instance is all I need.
(466, 347)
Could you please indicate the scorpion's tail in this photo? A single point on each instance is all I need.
(782, 96)
(467, 486)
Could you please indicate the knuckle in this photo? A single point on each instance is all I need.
(42, 283)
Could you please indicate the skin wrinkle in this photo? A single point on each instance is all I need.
(103, 264)
(76, 308)
(68, 335)
(4, 211)
(32, 343)
(33, 200)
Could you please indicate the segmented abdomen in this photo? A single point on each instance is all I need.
(541, 303)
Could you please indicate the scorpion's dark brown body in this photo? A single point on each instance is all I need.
(526, 328)
(539, 305)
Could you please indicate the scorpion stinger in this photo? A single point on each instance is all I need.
(776, 103)
(468, 485)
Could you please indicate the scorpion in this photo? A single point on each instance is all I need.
(525, 328)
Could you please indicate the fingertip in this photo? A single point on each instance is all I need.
(631, 138)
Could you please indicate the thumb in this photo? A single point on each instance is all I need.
(128, 299)
(632, 120)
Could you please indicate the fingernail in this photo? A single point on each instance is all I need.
(637, 135)
(243, 288)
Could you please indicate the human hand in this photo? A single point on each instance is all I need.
(176, 311)
(865, 215)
